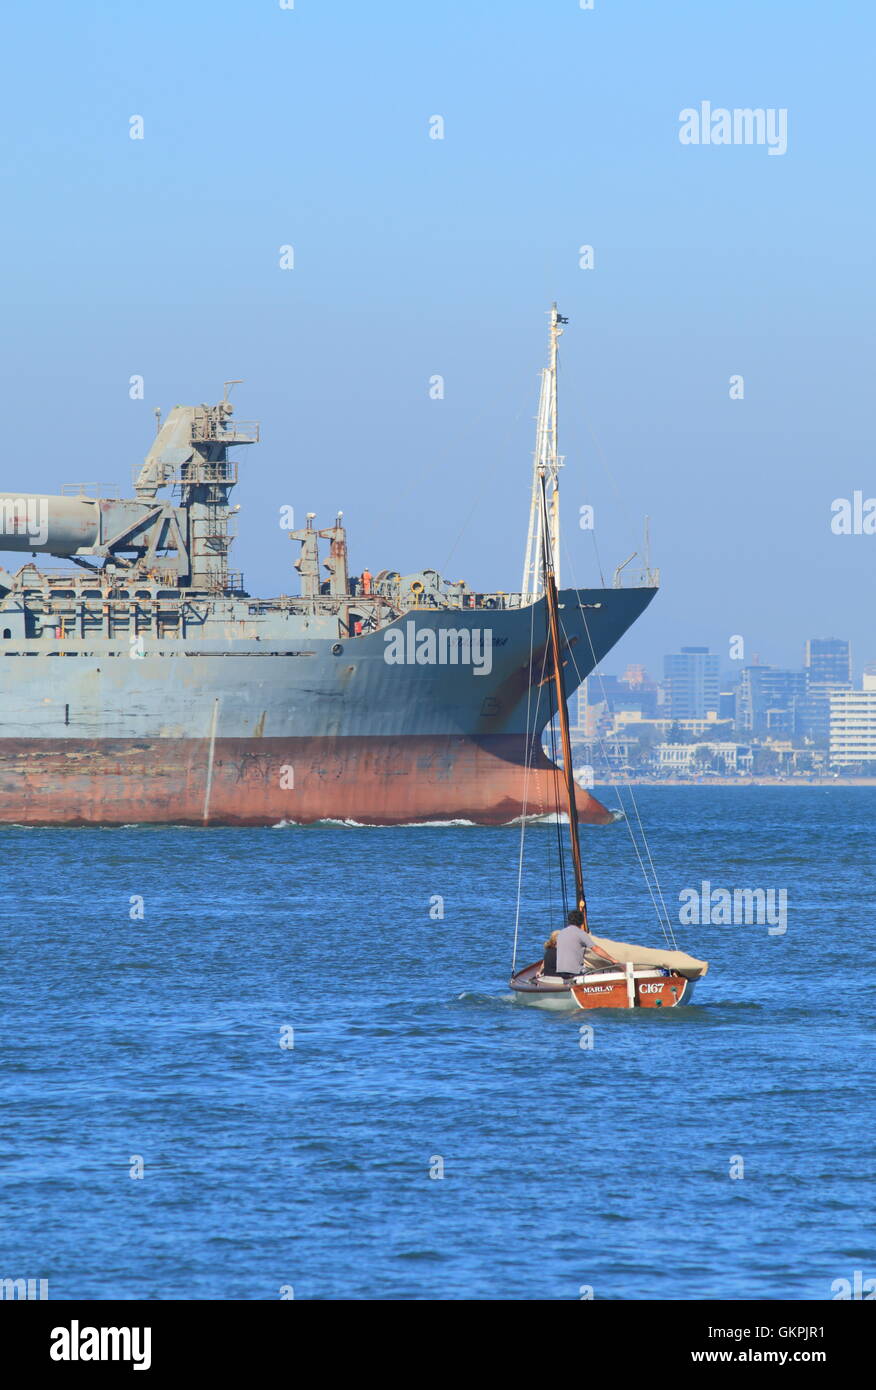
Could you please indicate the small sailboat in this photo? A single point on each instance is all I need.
(617, 974)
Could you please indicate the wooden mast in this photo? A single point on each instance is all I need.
(550, 593)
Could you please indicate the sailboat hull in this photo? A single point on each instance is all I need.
(638, 988)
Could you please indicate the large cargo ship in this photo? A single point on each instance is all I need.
(142, 683)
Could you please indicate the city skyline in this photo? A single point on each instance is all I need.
(759, 704)
(728, 669)
(766, 721)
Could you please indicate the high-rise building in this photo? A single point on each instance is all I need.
(578, 707)
(829, 661)
(691, 683)
(767, 699)
(829, 670)
(632, 691)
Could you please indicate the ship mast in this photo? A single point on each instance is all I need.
(546, 465)
(551, 600)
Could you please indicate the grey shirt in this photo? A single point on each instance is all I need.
(572, 942)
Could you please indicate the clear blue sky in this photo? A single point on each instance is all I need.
(414, 256)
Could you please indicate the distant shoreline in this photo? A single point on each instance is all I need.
(737, 782)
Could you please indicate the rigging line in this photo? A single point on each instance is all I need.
(636, 850)
(551, 809)
(598, 558)
(420, 476)
(529, 754)
(538, 748)
(500, 454)
(543, 684)
(552, 713)
(557, 757)
(556, 815)
(663, 918)
(527, 768)
(629, 786)
(593, 539)
(603, 460)
(665, 921)
(556, 823)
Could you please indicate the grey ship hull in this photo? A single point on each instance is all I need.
(292, 725)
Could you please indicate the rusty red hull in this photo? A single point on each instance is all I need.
(263, 781)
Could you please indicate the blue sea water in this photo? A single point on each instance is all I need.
(308, 1167)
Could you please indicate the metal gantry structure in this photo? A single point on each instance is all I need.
(546, 465)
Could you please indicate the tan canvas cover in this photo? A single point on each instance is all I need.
(622, 951)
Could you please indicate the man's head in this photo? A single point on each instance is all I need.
(575, 918)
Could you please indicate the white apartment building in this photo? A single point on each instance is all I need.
(853, 725)
(681, 757)
(626, 721)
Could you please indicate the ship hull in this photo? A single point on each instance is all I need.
(372, 781)
(242, 729)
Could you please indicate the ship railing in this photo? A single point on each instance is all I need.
(241, 432)
(200, 471)
(110, 490)
(68, 574)
(647, 578)
(34, 577)
(496, 600)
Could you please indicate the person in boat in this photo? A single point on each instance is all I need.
(573, 946)
(549, 963)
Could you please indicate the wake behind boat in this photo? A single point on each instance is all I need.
(590, 972)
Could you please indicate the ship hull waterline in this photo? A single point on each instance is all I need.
(252, 782)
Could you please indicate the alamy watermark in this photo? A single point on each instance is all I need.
(76, 1343)
(853, 516)
(24, 1289)
(857, 1288)
(705, 125)
(443, 646)
(737, 907)
(28, 516)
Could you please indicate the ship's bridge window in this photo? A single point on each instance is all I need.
(7, 632)
(142, 593)
(167, 593)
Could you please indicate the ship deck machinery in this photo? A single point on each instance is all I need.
(172, 695)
